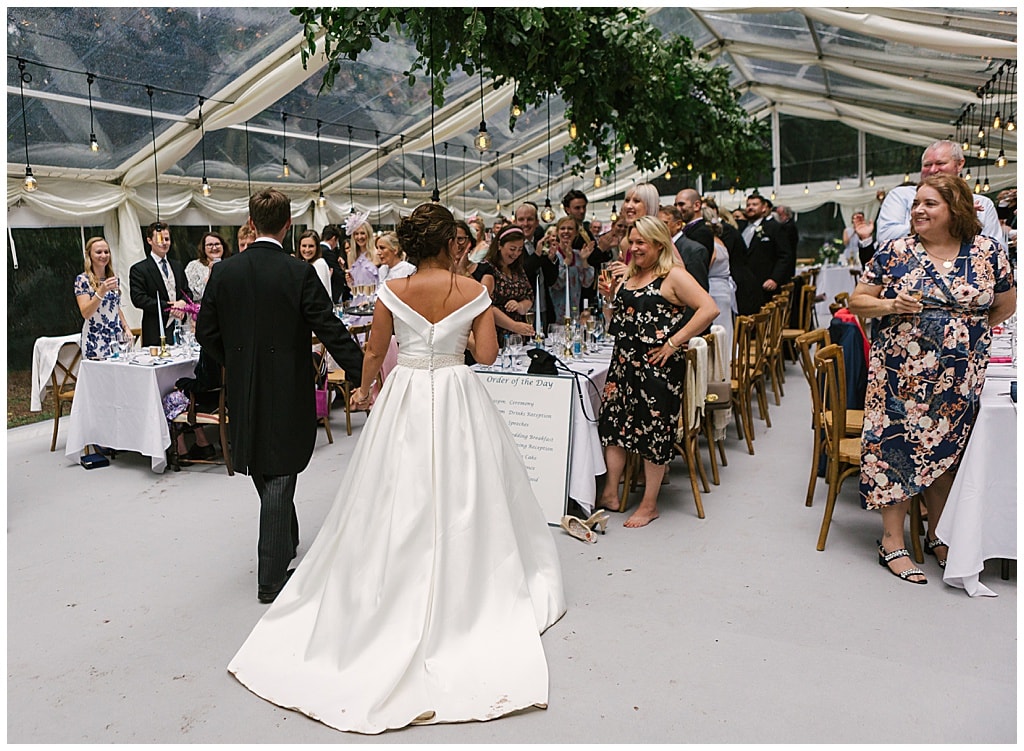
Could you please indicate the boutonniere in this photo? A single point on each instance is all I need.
(759, 231)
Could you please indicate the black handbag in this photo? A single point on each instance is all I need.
(543, 362)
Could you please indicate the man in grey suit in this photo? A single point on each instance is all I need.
(259, 312)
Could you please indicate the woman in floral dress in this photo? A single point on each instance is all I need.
(643, 392)
(934, 297)
(98, 293)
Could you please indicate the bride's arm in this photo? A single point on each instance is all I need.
(373, 356)
(483, 340)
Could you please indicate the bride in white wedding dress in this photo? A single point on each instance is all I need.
(424, 595)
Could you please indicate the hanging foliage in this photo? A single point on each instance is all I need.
(621, 80)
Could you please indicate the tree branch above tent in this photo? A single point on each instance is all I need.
(622, 81)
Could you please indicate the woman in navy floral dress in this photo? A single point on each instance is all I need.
(643, 392)
(934, 296)
(98, 293)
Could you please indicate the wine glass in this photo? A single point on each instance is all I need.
(124, 342)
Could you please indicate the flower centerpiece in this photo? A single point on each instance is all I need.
(831, 250)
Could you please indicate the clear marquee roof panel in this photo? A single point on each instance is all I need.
(904, 74)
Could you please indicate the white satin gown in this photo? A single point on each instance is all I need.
(425, 593)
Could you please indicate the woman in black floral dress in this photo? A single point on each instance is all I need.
(508, 285)
(643, 393)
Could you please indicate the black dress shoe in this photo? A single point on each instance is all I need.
(267, 596)
(201, 452)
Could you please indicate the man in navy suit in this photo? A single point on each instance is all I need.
(156, 282)
(259, 313)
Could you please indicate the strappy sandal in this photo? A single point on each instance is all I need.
(885, 558)
(929, 549)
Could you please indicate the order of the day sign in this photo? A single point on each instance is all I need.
(538, 412)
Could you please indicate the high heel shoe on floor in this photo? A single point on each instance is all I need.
(885, 558)
(578, 529)
(929, 549)
(598, 521)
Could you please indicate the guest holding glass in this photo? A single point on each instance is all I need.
(643, 392)
(362, 257)
(934, 296)
(98, 293)
(392, 260)
(504, 276)
(309, 251)
(212, 248)
(573, 269)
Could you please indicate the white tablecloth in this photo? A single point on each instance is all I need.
(45, 353)
(118, 405)
(831, 281)
(980, 518)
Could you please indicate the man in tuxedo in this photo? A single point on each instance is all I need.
(259, 312)
(695, 257)
(691, 208)
(784, 216)
(535, 262)
(156, 282)
(769, 253)
(329, 240)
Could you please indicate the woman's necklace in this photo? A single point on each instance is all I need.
(947, 263)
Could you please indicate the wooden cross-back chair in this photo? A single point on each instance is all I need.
(63, 380)
(345, 383)
(805, 320)
(740, 383)
(689, 428)
(195, 417)
(718, 399)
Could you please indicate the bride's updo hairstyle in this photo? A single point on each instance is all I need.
(426, 233)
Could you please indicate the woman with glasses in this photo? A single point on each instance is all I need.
(212, 248)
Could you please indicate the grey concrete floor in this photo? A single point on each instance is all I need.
(129, 592)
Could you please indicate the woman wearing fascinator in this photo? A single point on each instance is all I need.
(362, 256)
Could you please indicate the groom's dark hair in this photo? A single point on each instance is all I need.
(269, 210)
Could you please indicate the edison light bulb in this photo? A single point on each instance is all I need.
(483, 138)
(30, 183)
(1001, 160)
(548, 213)
(94, 145)
(572, 131)
(205, 187)
(285, 170)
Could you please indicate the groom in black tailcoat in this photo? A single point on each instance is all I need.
(257, 318)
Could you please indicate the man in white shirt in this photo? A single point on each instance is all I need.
(894, 216)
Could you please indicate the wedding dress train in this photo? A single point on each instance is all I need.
(424, 595)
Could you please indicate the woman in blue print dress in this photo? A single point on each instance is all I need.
(934, 296)
(98, 293)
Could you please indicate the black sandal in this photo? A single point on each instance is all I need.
(885, 558)
(929, 549)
